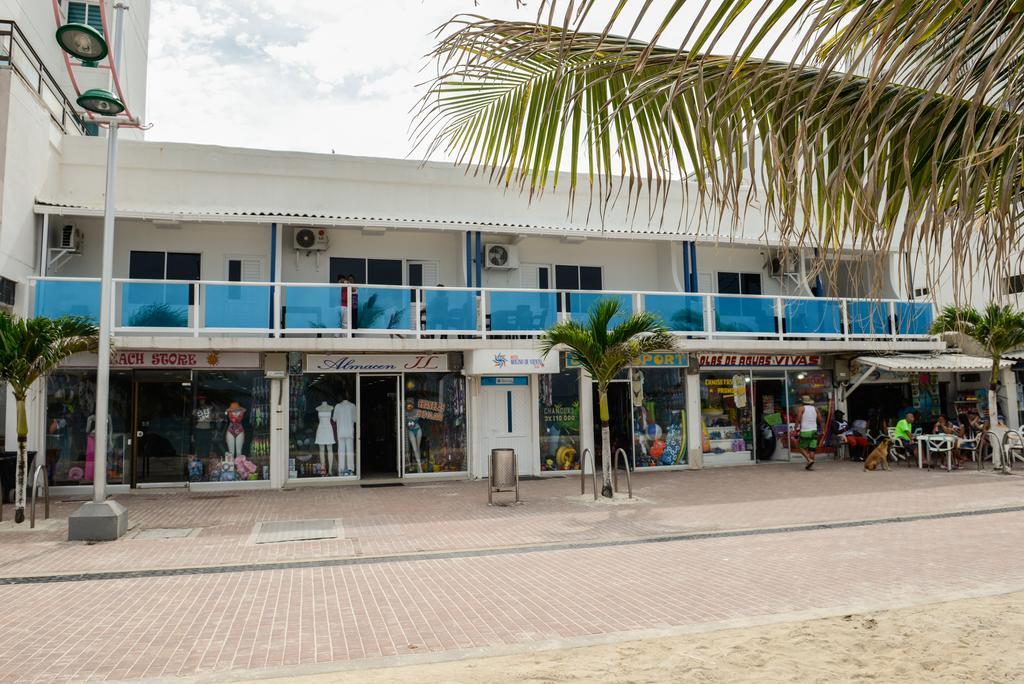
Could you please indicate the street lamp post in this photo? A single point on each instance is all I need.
(100, 519)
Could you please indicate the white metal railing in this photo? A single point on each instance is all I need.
(219, 307)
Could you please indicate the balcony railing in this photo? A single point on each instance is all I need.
(204, 308)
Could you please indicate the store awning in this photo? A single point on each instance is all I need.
(930, 363)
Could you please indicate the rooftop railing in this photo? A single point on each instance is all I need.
(214, 308)
(18, 54)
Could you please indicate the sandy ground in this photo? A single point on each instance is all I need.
(972, 640)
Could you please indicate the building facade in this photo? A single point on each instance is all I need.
(289, 319)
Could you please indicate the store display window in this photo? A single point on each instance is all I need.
(726, 417)
(560, 420)
(230, 427)
(659, 414)
(816, 384)
(434, 423)
(71, 430)
(322, 425)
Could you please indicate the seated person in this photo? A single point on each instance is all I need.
(858, 442)
(971, 428)
(905, 433)
(946, 426)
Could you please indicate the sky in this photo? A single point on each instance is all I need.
(309, 75)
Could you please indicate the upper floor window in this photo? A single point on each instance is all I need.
(164, 265)
(367, 271)
(85, 13)
(1015, 284)
(739, 283)
(578, 278)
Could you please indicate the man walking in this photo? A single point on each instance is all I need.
(810, 424)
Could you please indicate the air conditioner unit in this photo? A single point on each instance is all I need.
(70, 238)
(501, 257)
(310, 239)
(780, 265)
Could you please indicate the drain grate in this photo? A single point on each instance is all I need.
(166, 533)
(295, 530)
(382, 484)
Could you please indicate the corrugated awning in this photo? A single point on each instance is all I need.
(930, 363)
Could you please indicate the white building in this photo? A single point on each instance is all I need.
(240, 361)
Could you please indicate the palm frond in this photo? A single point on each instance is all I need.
(30, 348)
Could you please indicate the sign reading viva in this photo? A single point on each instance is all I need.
(748, 360)
(376, 363)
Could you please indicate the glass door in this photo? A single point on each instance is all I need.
(771, 420)
(379, 449)
(163, 431)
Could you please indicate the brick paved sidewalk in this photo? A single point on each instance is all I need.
(330, 616)
(454, 515)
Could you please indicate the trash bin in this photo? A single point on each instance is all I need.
(504, 475)
(8, 460)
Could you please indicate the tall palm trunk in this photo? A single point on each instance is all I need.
(606, 442)
(993, 412)
(20, 465)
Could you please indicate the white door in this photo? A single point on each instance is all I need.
(507, 425)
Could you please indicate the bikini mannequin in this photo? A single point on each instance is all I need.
(325, 438)
(415, 432)
(90, 444)
(345, 419)
(235, 435)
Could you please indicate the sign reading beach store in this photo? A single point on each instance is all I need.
(510, 362)
(376, 363)
(129, 358)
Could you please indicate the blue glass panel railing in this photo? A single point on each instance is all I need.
(154, 305)
(745, 314)
(56, 298)
(580, 304)
(813, 316)
(868, 318)
(308, 308)
(382, 309)
(521, 311)
(913, 318)
(449, 310)
(237, 306)
(679, 313)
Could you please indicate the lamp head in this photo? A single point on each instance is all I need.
(82, 41)
(100, 101)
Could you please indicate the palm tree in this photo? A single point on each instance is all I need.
(30, 348)
(896, 125)
(997, 329)
(604, 352)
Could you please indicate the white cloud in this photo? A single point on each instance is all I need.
(311, 75)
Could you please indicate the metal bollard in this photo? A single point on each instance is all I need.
(583, 472)
(629, 480)
(40, 470)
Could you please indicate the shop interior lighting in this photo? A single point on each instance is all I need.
(100, 101)
(82, 41)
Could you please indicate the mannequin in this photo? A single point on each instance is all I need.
(414, 431)
(345, 419)
(325, 438)
(204, 427)
(235, 435)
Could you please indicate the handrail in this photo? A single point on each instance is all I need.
(625, 462)
(44, 78)
(40, 470)
(583, 472)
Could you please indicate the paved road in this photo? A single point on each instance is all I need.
(337, 608)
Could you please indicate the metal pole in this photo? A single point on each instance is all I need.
(99, 482)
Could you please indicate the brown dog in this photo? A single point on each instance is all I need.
(880, 454)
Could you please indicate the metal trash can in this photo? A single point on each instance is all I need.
(504, 475)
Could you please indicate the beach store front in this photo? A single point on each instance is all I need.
(748, 405)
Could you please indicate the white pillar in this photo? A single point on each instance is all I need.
(279, 437)
(694, 429)
(1012, 406)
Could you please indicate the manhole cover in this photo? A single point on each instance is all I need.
(166, 533)
(295, 530)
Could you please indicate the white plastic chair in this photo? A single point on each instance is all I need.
(1013, 447)
(936, 444)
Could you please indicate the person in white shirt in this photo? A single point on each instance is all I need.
(810, 424)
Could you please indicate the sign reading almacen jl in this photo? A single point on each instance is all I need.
(376, 363)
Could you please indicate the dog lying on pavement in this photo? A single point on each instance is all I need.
(880, 454)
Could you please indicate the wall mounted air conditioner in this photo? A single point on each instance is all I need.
(780, 265)
(310, 239)
(501, 257)
(70, 238)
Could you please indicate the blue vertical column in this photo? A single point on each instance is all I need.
(686, 267)
(479, 260)
(469, 259)
(693, 266)
(817, 290)
(273, 272)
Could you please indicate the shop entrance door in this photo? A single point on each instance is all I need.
(620, 413)
(379, 452)
(163, 429)
(771, 430)
(506, 422)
